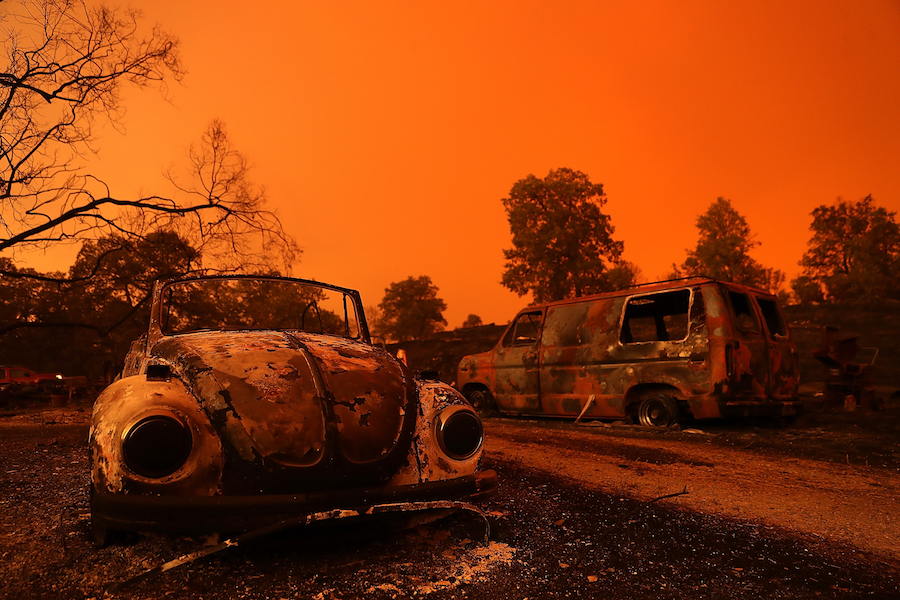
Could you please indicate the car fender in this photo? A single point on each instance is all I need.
(427, 462)
(124, 404)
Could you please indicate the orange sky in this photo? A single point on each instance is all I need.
(387, 132)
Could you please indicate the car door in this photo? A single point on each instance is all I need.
(751, 353)
(517, 366)
(782, 354)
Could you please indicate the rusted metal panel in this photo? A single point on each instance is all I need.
(515, 365)
(276, 418)
(372, 396)
(426, 462)
(263, 383)
(703, 342)
(128, 401)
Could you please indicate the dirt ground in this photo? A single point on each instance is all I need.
(857, 502)
(771, 510)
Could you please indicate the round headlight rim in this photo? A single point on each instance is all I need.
(189, 439)
(445, 417)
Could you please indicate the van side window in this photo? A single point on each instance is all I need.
(744, 316)
(525, 331)
(659, 317)
(772, 316)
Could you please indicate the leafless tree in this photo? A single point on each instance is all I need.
(245, 235)
(66, 65)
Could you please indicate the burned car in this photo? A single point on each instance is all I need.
(23, 376)
(255, 400)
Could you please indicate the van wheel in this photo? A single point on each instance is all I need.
(657, 410)
(482, 401)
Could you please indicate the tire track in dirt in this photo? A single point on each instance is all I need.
(851, 504)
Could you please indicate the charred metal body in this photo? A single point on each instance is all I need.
(253, 400)
(850, 382)
(698, 346)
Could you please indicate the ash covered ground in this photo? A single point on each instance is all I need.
(576, 516)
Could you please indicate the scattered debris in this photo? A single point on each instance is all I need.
(302, 521)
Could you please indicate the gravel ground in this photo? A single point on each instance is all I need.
(561, 525)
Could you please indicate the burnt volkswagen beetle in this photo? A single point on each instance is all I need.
(255, 400)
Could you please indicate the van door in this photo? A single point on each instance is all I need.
(575, 360)
(751, 352)
(517, 365)
(783, 359)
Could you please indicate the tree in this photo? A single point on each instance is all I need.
(102, 303)
(854, 253)
(244, 236)
(411, 309)
(723, 250)
(123, 283)
(562, 241)
(806, 290)
(66, 67)
(624, 274)
(471, 321)
(375, 321)
(77, 322)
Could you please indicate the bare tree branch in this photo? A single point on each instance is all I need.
(66, 66)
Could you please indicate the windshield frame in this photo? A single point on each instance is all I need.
(157, 332)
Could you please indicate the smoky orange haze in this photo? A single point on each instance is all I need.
(386, 134)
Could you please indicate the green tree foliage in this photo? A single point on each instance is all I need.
(723, 250)
(562, 241)
(411, 309)
(854, 254)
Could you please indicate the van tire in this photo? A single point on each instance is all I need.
(482, 401)
(657, 410)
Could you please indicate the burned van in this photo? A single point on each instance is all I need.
(656, 352)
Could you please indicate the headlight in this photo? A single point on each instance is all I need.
(157, 446)
(459, 432)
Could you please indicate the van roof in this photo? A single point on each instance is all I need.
(653, 287)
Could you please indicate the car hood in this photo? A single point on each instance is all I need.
(297, 400)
